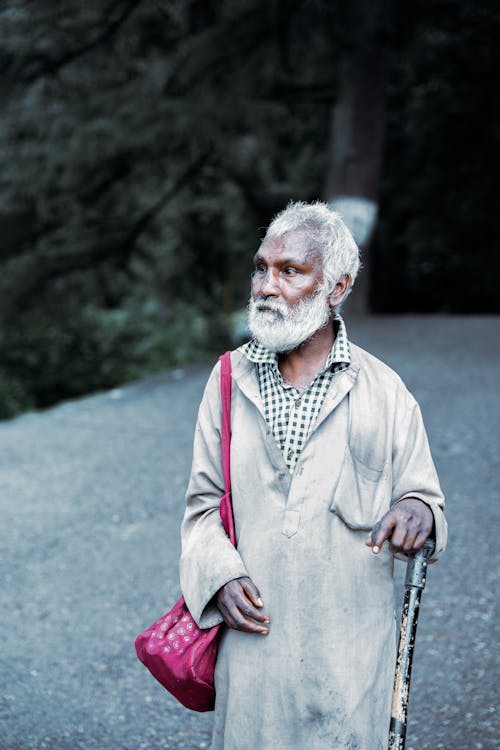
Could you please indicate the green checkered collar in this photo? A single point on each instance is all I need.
(340, 352)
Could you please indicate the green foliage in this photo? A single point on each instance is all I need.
(142, 143)
(66, 352)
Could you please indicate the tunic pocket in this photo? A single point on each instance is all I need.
(362, 494)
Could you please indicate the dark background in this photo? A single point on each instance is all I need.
(144, 145)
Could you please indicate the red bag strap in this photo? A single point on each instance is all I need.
(226, 508)
(225, 392)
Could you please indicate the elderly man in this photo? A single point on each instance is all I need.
(327, 446)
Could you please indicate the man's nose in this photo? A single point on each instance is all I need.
(268, 285)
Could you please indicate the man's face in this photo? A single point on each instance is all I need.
(288, 304)
(285, 270)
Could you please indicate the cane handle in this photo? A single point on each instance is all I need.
(417, 566)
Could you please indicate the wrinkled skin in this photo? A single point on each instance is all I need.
(241, 606)
(408, 524)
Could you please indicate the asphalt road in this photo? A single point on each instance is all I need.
(91, 497)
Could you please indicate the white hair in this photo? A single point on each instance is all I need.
(328, 235)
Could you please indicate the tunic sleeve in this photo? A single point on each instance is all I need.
(208, 559)
(414, 473)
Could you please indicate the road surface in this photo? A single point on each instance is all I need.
(91, 496)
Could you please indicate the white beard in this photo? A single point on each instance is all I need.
(281, 328)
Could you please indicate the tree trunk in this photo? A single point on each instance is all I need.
(357, 130)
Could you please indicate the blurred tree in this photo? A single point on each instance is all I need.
(141, 144)
(143, 141)
(358, 125)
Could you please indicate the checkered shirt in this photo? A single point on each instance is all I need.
(289, 411)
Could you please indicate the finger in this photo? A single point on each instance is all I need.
(248, 624)
(369, 541)
(399, 537)
(237, 620)
(420, 540)
(249, 611)
(382, 531)
(246, 602)
(251, 591)
(409, 543)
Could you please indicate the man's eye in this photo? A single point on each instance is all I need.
(290, 271)
(260, 268)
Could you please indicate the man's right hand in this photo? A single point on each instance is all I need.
(240, 604)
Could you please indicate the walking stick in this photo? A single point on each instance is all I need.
(414, 585)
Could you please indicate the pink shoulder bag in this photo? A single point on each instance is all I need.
(176, 651)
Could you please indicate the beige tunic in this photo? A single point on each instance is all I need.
(323, 676)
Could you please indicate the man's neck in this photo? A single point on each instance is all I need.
(300, 366)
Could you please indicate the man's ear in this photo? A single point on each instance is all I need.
(340, 291)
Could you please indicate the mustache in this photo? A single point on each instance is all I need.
(281, 308)
(263, 306)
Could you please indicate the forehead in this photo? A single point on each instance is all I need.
(294, 246)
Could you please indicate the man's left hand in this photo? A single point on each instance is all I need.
(408, 524)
